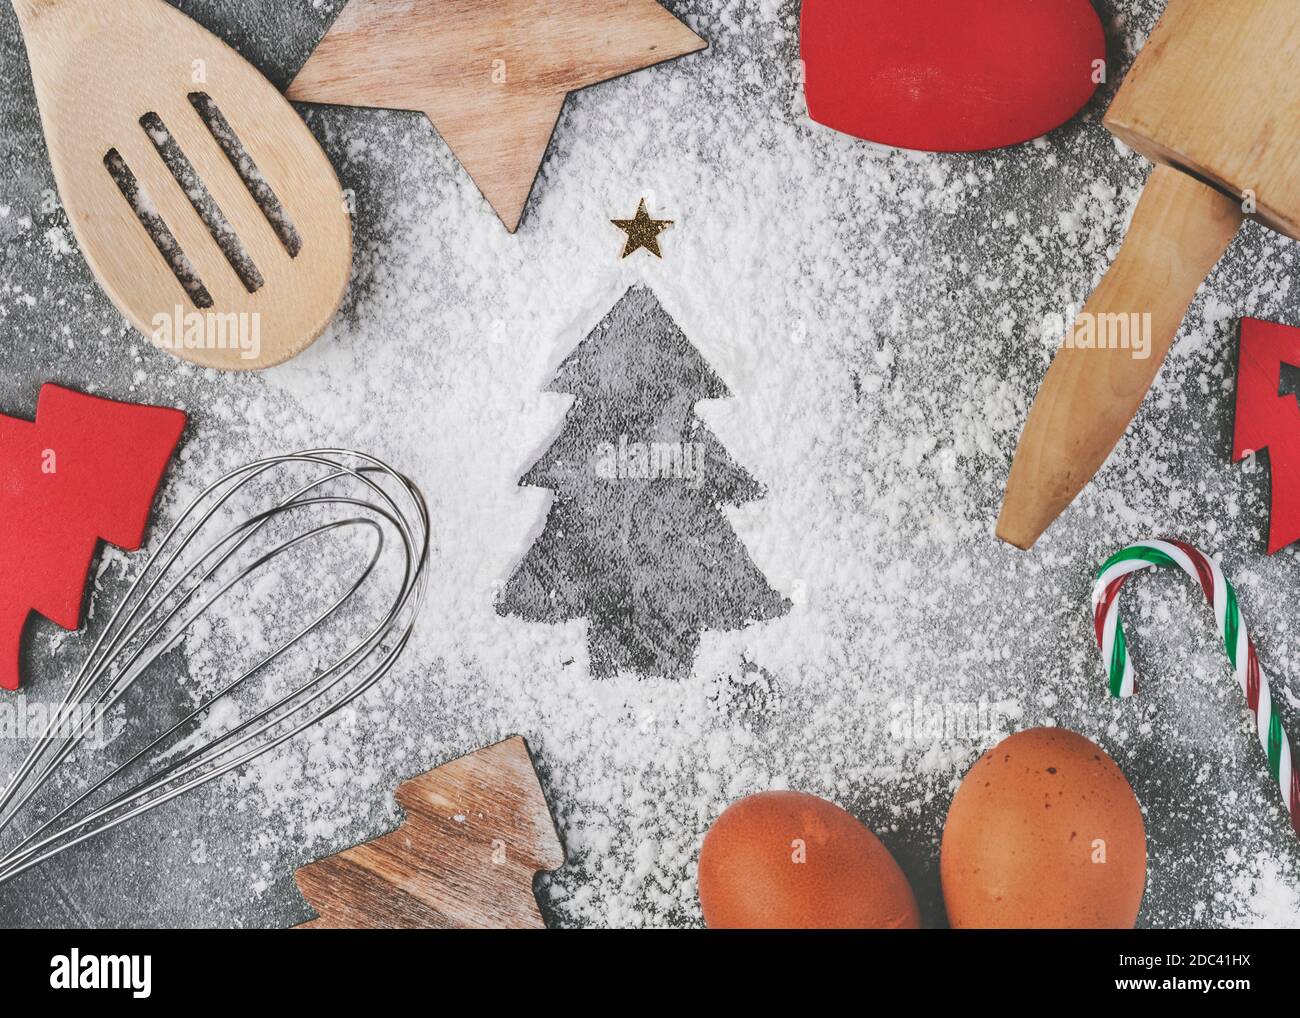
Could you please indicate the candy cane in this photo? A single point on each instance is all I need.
(1232, 627)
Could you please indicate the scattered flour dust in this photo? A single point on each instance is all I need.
(1262, 897)
(877, 315)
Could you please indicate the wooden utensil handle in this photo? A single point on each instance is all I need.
(1111, 354)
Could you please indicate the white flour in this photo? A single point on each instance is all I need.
(877, 316)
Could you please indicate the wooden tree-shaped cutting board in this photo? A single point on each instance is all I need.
(477, 830)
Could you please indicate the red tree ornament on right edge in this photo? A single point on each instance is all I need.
(87, 469)
(1266, 419)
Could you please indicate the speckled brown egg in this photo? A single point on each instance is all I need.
(789, 860)
(1044, 832)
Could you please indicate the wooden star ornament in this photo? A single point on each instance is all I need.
(492, 75)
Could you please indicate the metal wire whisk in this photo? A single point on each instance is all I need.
(226, 540)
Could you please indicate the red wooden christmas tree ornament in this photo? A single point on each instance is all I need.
(1266, 419)
(86, 470)
(950, 75)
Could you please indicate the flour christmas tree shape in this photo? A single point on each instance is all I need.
(1269, 420)
(636, 541)
(87, 470)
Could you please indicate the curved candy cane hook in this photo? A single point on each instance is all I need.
(1231, 627)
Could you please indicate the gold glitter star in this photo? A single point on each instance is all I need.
(642, 231)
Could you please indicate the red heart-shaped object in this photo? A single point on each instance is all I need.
(949, 75)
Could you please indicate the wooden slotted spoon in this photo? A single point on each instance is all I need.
(136, 85)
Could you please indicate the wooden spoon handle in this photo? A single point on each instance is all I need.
(1181, 228)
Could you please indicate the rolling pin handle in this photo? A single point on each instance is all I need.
(1111, 354)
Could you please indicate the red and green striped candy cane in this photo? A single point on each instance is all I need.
(1231, 626)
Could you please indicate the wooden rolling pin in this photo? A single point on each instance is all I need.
(1214, 101)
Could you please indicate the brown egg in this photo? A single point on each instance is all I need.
(789, 860)
(1044, 832)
